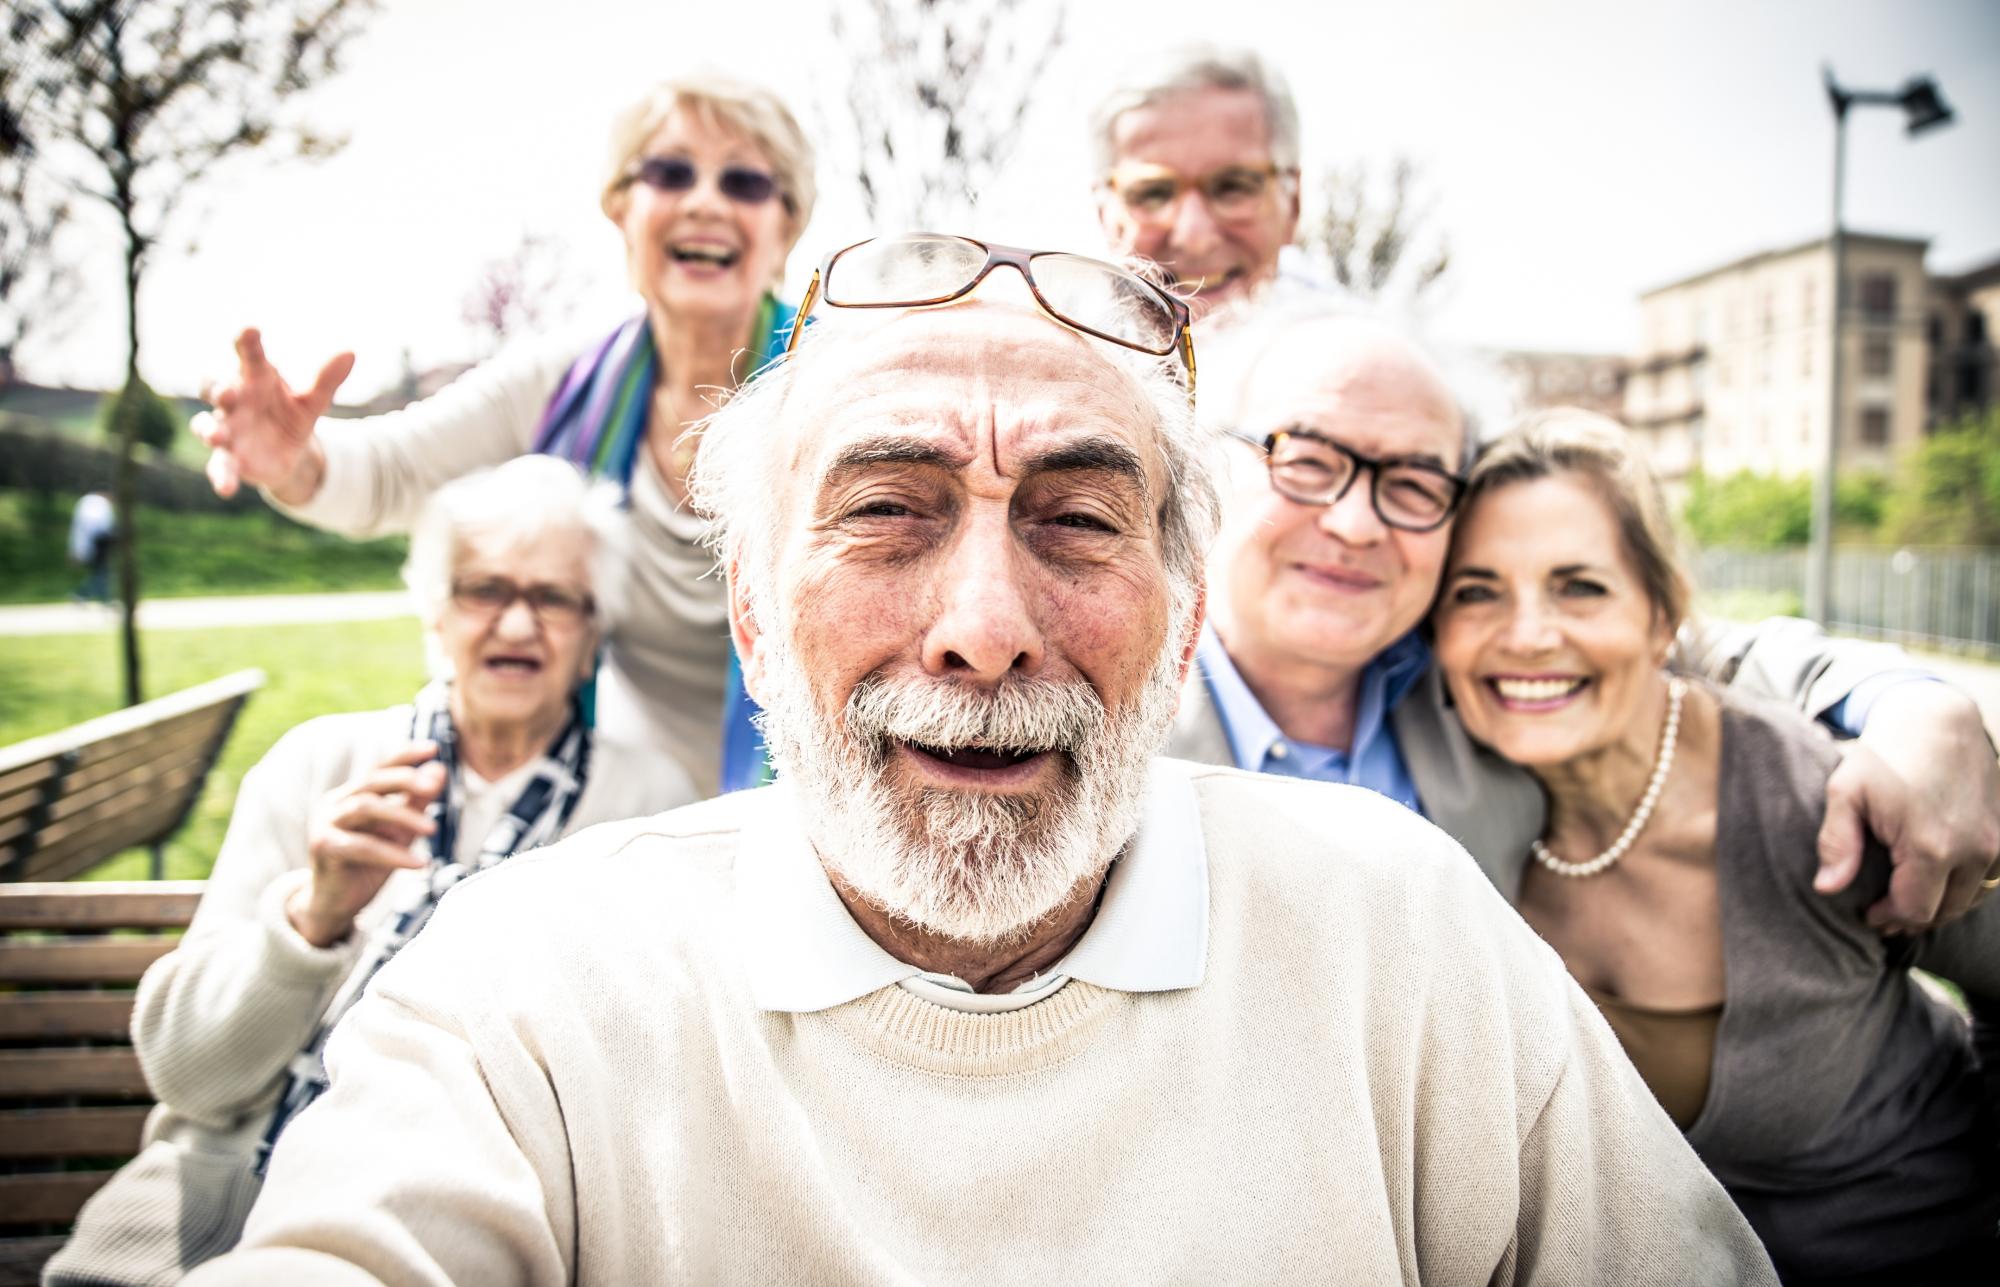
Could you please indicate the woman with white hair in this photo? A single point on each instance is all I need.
(346, 835)
(710, 182)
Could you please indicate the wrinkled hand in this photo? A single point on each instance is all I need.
(1923, 779)
(359, 835)
(261, 431)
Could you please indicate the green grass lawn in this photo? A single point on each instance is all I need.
(53, 681)
(184, 554)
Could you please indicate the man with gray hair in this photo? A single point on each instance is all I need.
(1197, 155)
(981, 991)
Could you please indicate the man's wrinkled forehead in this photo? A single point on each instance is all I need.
(962, 372)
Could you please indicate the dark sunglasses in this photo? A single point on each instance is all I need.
(739, 183)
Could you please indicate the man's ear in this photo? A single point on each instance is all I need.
(746, 632)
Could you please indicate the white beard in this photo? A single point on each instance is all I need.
(965, 865)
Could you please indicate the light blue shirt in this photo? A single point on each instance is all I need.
(1374, 760)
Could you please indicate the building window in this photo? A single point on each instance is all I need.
(1806, 301)
(1874, 426)
(1935, 328)
(1878, 297)
(1969, 389)
(1806, 358)
(1975, 327)
(1878, 359)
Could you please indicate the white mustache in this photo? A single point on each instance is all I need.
(1020, 717)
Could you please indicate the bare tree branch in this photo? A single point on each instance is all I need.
(1377, 240)
(934, 98)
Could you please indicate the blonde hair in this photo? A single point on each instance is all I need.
(724, 103)
(1568, 440)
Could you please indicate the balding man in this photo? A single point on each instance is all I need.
(1313, 665)
(981, 991)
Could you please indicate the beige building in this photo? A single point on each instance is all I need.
(1960, 332)
(1732, 371)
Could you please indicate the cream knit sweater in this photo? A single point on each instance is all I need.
(1384, 1078)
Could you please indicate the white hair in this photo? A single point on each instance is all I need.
(1233, 362)
(529, 498)
(1164, 73)
(738, 483)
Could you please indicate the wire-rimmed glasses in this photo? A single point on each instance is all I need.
(919, 269)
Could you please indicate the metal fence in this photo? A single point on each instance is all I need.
(1944, 597)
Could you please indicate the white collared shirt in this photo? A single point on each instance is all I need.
(806, 953)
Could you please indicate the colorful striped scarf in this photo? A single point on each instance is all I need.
(597, 421)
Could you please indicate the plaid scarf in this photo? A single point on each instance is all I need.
(597, 421)
(537, 817)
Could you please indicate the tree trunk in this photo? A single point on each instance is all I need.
(128, 478)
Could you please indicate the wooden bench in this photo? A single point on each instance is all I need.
(74, 798)
(72, 1098)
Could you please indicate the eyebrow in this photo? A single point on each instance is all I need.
(1095, 454)
(890, 449)
(1488, 574)
(1431, 459)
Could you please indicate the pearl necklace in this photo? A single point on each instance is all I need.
(1676, 689)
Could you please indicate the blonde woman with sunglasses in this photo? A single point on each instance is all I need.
(710, 182)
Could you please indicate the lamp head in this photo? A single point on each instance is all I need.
(1924, 107)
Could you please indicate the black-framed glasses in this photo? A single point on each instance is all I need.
(1232, 192)
(553, 605)
(743, 184)
(924, 268)
(1312, 469)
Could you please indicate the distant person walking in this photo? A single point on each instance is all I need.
(93, 534)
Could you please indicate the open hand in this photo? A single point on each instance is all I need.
(359, 835)
(262, 431)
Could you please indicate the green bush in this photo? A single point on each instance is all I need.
(1760, 511)
(137, 409)
(1948, 489)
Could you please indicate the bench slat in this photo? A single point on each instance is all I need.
(47, 1199)
(143, 790)
(21, 1259)
(229, 688)
(185, 738)
(84, 960)
(64, 1016)
(189, 745)
(86, 848)
(72, 1132)
(42, 1074)
(109, 904)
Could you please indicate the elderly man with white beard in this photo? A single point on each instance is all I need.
(980, 991)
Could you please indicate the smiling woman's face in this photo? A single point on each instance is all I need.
(1545, 632)
(700, 253)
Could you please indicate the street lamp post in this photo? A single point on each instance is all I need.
(1924, 109)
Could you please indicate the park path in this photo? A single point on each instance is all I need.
(1982, 681)
(207, 614)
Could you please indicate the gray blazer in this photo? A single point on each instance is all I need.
(1494, 808)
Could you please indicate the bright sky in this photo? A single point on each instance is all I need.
(1580, 152)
